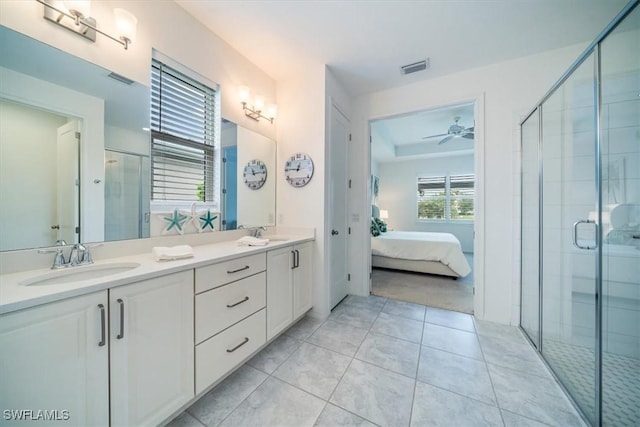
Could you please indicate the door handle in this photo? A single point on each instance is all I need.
(103, 338)
(121, 334)
(334, 232)
(574, 234)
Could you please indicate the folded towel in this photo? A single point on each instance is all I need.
(252, 241)
(165, 253)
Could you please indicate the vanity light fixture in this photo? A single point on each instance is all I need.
(82, 24)
(256, 110)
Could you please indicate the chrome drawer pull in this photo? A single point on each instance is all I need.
(103, 337)
(121, 334)
(246, 340)
(246, 267)
(238, 303)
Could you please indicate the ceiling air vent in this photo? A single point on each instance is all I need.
(120, 78)
(415, 67)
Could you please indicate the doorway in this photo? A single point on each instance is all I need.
(423, 187)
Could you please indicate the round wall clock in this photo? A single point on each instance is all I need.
(298, 170)
(255, 174)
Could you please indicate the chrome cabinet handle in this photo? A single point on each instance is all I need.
(238, 303)
(574, 233)
(231, 350)
(246, 267)
(103, 338)
(121, 334)
(297, 264)
(293, 255)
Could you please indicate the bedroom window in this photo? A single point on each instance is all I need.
(183, 133)
(446, 198)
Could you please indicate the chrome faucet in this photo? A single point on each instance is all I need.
(79, 255)
(257, 231)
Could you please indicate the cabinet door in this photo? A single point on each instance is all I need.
(151, 349)
(279, 290)
(302, 279)
(55, 357)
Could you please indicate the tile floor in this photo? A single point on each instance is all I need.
(389, 363)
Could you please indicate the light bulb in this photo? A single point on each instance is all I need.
(244, 93)
(272, 111)
(126, 24)
(258, 103)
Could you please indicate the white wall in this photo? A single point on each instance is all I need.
(397, 194)
(509, 90)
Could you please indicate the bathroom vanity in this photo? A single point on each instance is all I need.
(137, 346)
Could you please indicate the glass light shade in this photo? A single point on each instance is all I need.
(126, 24)
(82, 7)
(272, 110)
(258, 103)
(384, 214)
(244, 93)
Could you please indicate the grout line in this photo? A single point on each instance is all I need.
(415, 383)
(493, 388)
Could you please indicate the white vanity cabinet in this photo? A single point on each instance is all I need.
(55, 357)
(289, 278)
(152, 362)
(230, 316)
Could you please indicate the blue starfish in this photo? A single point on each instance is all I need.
(207, 221)
(175, 221)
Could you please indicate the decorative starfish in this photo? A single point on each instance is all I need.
(206, 221)
(176, 221)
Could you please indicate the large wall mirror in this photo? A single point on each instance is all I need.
(75, 159)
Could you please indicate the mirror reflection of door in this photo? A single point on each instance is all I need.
(31, 181)
(230, 196)
(67, 183)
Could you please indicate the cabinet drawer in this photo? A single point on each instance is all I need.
(216, 275)
(219, 308)
(218, 355)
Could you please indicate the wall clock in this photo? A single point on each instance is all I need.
(298, 170)
(255, 174)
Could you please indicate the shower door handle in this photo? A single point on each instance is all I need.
(574, 234)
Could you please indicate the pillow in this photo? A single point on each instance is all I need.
(375, 231)
(382, 226)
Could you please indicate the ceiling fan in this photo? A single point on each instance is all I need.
(455, 130)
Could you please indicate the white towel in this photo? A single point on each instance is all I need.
(165, 253)
(252, 241)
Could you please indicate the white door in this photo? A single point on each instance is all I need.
(56, 357)
(338, 187)
(152, 349)
(68, 182)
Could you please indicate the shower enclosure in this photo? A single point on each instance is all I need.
(580, 271)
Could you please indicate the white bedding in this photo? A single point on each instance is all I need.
(422, 246)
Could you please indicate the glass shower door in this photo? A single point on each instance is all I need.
(569, 255)
(620, 160)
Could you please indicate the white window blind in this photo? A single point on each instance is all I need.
(183, 129)
(449, 197)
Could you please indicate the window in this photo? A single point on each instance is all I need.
(183, 135)
(448, 197)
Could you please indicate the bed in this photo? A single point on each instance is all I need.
(423, 252)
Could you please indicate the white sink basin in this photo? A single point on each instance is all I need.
(80, 273)
(277, 238)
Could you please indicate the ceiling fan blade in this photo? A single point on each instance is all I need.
(469, 135)
(446, 139)
(435, 136)
(471, 129)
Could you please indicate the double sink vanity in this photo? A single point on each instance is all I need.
(129, 340)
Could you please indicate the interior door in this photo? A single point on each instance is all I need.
(68, 182)
(338, 187)
(569, 230)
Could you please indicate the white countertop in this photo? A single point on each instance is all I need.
(14, 296)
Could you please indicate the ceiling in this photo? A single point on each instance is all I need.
(402, 137)
(365, 42)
